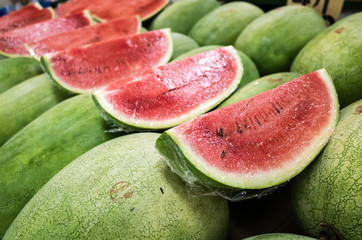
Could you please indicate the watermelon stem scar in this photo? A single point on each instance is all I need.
(325, 235)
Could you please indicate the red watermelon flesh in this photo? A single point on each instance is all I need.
(87, 68)
(94, 33)
(12, 42)
(168, 95)
(31, 14)
(113, 8)
(261, 141)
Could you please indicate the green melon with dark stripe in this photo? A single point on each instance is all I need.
(16, 70)
(121, 189)
(26, 101)
(37, 152)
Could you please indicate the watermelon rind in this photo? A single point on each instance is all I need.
(129, 124)
(47, 66)
(192, 168)
(279, 236)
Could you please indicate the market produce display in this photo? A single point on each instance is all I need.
(240, 101)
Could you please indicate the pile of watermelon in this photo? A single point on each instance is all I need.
(189, 119)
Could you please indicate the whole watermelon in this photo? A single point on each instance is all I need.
(339, 50)
(327, 195)
(120, 190)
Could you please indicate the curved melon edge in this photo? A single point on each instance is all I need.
(156, 10)
(131, 124)
(186, 163)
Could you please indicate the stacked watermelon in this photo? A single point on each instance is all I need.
(155, 134)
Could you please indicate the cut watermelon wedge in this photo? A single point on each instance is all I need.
(111, 9)
(31, 14)
(90, 34)
(12, 42)
(256, 143)
(168, 95)
(87, 68)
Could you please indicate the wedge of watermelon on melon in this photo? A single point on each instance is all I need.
(168, 95)
(256, 143)
(30, 14)
(111, 9)
(90, 34)
(93, 66)
(12, 42)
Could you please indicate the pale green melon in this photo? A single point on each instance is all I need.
(182, 44)
(258, 86)
(120, 190)
(327, 195)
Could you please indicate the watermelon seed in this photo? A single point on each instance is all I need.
(223, 153)
(161, 190)
(132, 209)
(219, 132)
(257, 120)
(148, 45)
(275, 108)
(238, 128)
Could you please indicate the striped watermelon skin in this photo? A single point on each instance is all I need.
(41, 149)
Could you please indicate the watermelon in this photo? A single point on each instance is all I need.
(112, 9)
(339, 50)
(26, 101)
(257, 143)
(326, 197)
(168, 95)
(27, 15)
(259, 85)
(274, 39)
(279, 236)
(38, 151)
(182, 44)
(223, 25)
(94, 33)
(12, 42)
(250, 71)
(120, 190)
(16, 70)
(182, 15)
(87, 68)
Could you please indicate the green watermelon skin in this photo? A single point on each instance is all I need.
(339, 50)
(182, 44)
(250, 71)
(37, 152)
(223, 25)
(26, 101)
(327, 195)
(279, 236)
(120, 189)
(16, 70)
(182, 15)
(259, 85)
(274, 39)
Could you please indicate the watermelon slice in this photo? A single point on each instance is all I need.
(12, 42)
(30, 14)
(256, 143)
(111, 9)
(87, 68)
(78, 37)
(168, 95)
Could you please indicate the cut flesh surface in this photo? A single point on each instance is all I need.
(90, 34)
(12, 42)
(93, 66)
(258, 142)
(168, 95)
(111, 9)
(31, 14)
